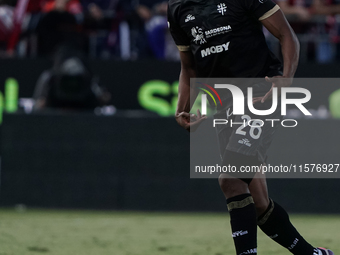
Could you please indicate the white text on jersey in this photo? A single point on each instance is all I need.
(215, 49)
(217, 31)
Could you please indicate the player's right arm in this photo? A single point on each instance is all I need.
(184, 89)
(187, 94)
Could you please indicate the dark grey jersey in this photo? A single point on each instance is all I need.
(225, 36)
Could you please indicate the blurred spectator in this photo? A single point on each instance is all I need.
(23, 17)
(326, 7)
(330, 48)
(158, 35)
(71, 6)
(137, 29)
(148, 30)
(94, 17)
(100, 8)
(70, 84)
(144, 8)
(103, 19)
(6, 23)
(298, 8)
(308, 20)
(156, 28)
(59, 27)
(141, 15)
(35, 6)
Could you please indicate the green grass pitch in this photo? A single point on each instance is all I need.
(133, 233)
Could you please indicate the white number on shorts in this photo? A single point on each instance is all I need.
(255, 125)
(240, 131)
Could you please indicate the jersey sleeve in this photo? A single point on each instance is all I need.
(261, 9)
(178, 34)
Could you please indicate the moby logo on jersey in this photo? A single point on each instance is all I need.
(215, 49)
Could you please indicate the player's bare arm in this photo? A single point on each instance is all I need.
(278, 25)
(188, 121)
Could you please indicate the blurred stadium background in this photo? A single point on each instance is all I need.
(88, 93)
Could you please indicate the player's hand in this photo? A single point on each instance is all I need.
(190, 122)
(277, 82)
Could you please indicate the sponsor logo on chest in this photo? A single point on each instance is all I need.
(215, 49)
(217, 31)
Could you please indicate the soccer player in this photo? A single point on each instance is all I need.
(234, 27)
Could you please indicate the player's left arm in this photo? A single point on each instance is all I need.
(278, 25)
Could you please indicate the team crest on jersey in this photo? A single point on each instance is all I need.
(222, 8)
(189, 18)
(198, 35)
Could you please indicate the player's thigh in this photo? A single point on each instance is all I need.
(223, 138)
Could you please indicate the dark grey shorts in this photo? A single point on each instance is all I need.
(245, 139)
